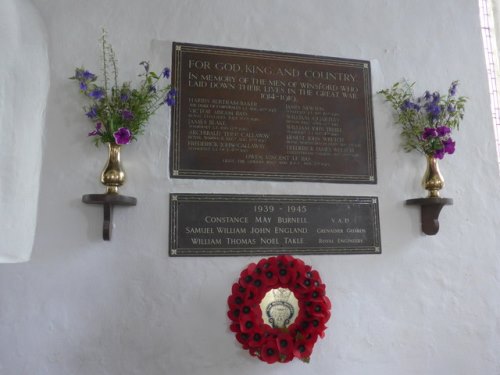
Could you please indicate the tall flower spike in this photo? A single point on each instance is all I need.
(97, 94)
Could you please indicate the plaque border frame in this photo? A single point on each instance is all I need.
(175, 160)
(174, 251)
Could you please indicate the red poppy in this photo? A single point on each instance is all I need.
(235, 301)
(267, 263)
(243, 339)
(314, 327)
(235, 327)
(317, 309)
(284, 342)
(258, 281)
(250, 322)
(314, 294)
(309, 279)
(246, 310)
(269, 352)
(303, 349)
(253, 294)
(234, 314)
(298, 266)
(269, 271)
(284, 274)
(246, 276)
(237, 289)
(256, 339)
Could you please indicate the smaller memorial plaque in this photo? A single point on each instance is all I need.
(228, 225)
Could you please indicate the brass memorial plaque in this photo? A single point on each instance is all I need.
(246, 114)
(234, 224)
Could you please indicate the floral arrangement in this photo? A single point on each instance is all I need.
(120, 112)
(428, 120)
(279, 344)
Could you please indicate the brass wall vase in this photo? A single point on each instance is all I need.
(112, 176)
(433, 180)
(431, 206)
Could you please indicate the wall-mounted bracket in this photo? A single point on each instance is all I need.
(108, 201)
(429, 211)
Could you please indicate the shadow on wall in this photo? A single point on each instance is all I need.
(22, 110)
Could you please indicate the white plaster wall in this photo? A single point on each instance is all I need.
(24, 84)
(427, 305)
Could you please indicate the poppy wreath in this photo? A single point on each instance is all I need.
(279, 344)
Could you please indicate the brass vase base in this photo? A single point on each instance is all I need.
(108, 201)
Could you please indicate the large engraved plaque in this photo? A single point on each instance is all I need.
(245, 114)
(237, 224)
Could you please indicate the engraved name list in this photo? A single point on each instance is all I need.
(266, 115)
(212, 225)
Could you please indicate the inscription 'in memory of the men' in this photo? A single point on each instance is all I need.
(218, 225)
(266, 115)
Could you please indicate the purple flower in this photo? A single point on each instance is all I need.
(443, 130)
(166, 73)
(92, 113)
(439, 154)
(124, 97)
(427, 95)
(86, 75)
(122, 136)
(436, 97)
(170, 99)
(429, 133)
(451, 108)
(83, 86)
(408, 105)
(453, 88)
(97, 94)
(127, 115)
(449, 146)
(433, 109)
(97, 130)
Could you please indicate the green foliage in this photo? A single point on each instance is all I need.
(426, 121)
(120, 112)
